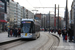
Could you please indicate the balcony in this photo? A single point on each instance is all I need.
(1, 3)
(1, 9)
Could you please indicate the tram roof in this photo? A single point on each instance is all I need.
(36, 21)
(27, 19)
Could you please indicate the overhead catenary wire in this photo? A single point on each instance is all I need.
(40, 3)
(30, 4)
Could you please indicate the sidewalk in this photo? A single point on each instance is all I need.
(4, 38)
(64, 45)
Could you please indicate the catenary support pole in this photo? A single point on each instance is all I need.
(55, 20)
(49, 21)
(58, 17)
(74, 21)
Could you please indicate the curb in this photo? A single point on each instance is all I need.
(56, 37)
(6, 42)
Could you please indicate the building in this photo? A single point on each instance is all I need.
(51, 21)
(18, 14)
(72, 14)
(2, 17)
(26, 14)
(45, 21)
(2, 10)
(61, 22)
(38, 16)
(5, 3)
(11, 12)
(23, 12)
(72, 11)
(15, 13)
(29, 14)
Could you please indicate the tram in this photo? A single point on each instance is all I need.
(30, 28)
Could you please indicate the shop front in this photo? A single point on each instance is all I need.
(3, 25)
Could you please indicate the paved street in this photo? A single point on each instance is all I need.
(4, 37)
(64, 45)
(43, 43)
(31, 24)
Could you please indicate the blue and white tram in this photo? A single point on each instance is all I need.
(30, 28)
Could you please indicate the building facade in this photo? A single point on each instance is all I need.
(2, 17)
(23, 11)
(15, 13)
(12, 12)
(72, 12)
(2, 10)
(29, 14)
(18, 14)
(45, 21)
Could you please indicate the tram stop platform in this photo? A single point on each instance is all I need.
(5, 39)
(64, 45)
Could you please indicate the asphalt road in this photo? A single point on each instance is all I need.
(45, 42)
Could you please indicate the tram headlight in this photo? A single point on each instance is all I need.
(30, 34)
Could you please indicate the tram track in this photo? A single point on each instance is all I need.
(47, 45)
(7, 42)
(50, 46)
(12, 44)
(55, 43)
(41, 48)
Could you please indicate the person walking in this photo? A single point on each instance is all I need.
(15, 32)
(8, 32)
(70, 34)
(64, 34)
(59, 32)
(19, 31)
(11, 33)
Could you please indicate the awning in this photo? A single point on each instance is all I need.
(3, 21)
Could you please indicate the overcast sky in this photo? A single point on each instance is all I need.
(29, 4)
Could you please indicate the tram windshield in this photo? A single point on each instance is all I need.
(26, 27)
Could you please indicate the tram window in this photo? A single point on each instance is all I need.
(33, 30)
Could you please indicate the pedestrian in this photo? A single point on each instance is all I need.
(11, 32)
(8, 32)
(64, 34)
(19, 32)
(15, 32)
(59, 32)
(70, 34)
